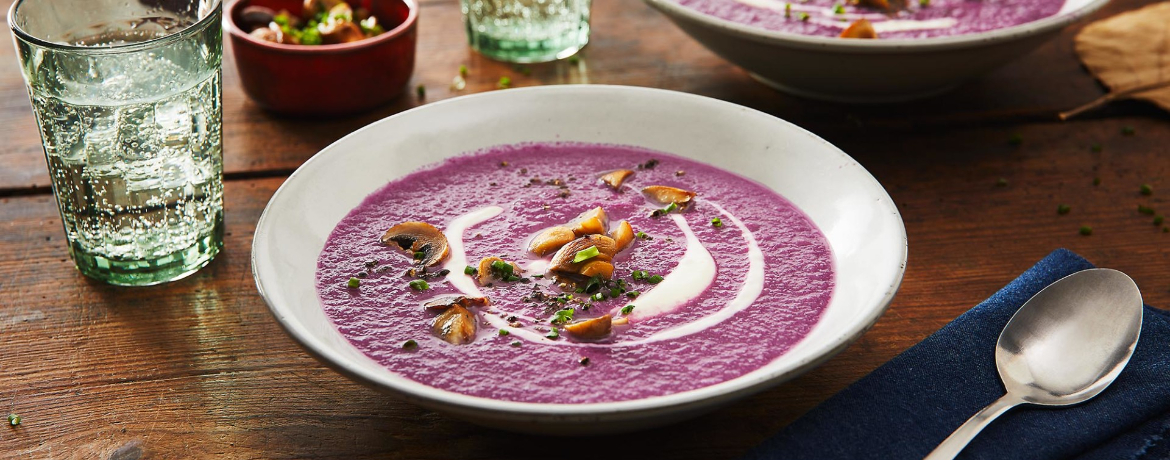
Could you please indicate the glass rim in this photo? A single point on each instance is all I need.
(185, 33)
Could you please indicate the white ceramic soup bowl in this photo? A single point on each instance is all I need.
(862, 224)
(868, 71)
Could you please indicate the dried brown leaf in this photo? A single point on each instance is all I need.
(1130, 54)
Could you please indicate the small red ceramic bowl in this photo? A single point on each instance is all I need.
(327, 80)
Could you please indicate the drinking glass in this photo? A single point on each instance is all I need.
(527, 30)
(126, 94)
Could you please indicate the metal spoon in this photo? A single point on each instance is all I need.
(1064, 346)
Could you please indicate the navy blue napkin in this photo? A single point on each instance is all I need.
(909, 405)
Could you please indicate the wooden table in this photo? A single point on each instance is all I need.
(199, 369)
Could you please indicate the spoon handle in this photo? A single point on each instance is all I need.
(955, 443)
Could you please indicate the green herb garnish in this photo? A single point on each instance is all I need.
(354, 282)
(419, 285)
(562, 316)
(1063, 209)
(598, 297)
(717, 222)
(804, 17)
(504, 332)
(586, 254)
(924, 3)
(463, 71)
(642, 236)
(670, 207)
(638, 274)
(420, 255)
(504, 83)
(502, 270)
(838, 9)
(627, 309)
(469, 270)
(553, 334)
(409, 345)
(787, 10)
(421, 91)
(633, 294)
(14, 419)
(654, 279)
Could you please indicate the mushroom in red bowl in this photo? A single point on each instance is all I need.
(320, 58)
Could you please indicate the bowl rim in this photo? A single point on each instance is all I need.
(900, 45)
(723, 391)
(229, 23)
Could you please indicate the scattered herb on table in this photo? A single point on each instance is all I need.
(1096, 148)
(1146, 210)
(1016, 139)
(14, 419)
(421, 90)
(1096, 181)
(1001, 182)
(1128, 130)
(1063, 209)
(463, 71)
(504, 83)
(1158, 220)
(1146, 189)
(1086, 230)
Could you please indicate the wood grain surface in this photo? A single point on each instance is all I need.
(199, 369)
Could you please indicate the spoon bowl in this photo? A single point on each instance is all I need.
(1072, 339)
(1064, 346)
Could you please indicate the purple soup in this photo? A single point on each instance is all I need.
(692, 277)
(918, 19)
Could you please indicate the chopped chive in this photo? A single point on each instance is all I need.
(554, 333)
(638, 274)
(1128, 130)
(14, 419)
(615, 292)
(354, 283)
(421, 90)
(463, 71)
(562, 316)
(469, 270)
(1146, 210)
(409, 345)
(1001, 182)
(586, 254)
(419, 285)
(504, 332)
(804, 17)
(670, 207)
(574, 60)
(1158, 220)
(924, 3)
(1165, 229)
(515, 343)
(1086, 230)
(717, 222)
(1063, 209)
(787, 10)
(1096, 181)
(503, 270)
(598, 297)
(642, 236)
(627, 309)
(1096, 148)
(1016, 139)
(419, 255)
(504, 83)
(1147, 190)
(654, 279)
(838, 9)
(633, 294)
